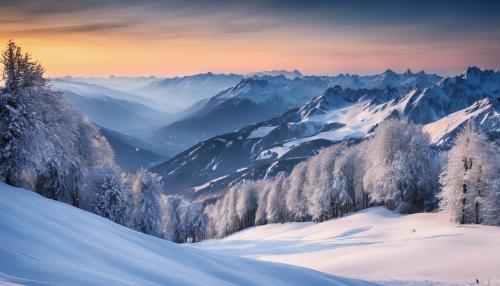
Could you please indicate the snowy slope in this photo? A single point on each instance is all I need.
(483, 113)
(44, 242)
(377, 244)
(132, 153)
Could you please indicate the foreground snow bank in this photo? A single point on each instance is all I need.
(43, 242)
(377, 244)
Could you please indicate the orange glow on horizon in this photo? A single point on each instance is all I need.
(148, 50)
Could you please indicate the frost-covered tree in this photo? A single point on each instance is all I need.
(246, 206)
(110, 198)
(182, 220)
(492, 206)
(212, 213)
(19, 71)
(45, 144)
(322, 201)
(296, 202)
(170, 218)
(11, 72)
(198, 222)
(222, 215)
(276, 211)
(348, 178)
(146, 189)
(261, 212)
(400, 169)
(470, 176)
(229, 220)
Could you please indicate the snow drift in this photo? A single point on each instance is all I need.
(44, 242)
(377, 244)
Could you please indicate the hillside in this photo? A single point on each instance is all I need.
(45, 242)
(132, 153)
(379, 245)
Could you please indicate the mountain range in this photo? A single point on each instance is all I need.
(339, 114)
(259, 124)
(113, 109)
(261, 97)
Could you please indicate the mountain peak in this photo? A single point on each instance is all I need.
(472, 73)
(333, 90)
(287, 74)
(389, 72)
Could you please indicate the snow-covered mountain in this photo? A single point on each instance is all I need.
(337, 115)
(484, 113)
(377, 245)
(45, 242)
(259, 98)
(111, 108)
(452, 94)
(251, 100)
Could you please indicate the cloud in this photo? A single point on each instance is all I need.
(274, 32)
(82, 28)
(425, 18)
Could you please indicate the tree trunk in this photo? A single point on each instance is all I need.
(464, 186)
(477, 212)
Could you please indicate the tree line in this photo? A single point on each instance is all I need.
(396, 167)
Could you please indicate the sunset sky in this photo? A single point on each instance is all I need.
(165, 38)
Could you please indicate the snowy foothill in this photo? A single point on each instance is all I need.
(377, 245)
(45, 242)
(261, 132)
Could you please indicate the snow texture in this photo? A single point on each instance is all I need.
(261, 132)
(44, 242)
(379, 245)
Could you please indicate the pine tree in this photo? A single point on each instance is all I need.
(11, 74)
